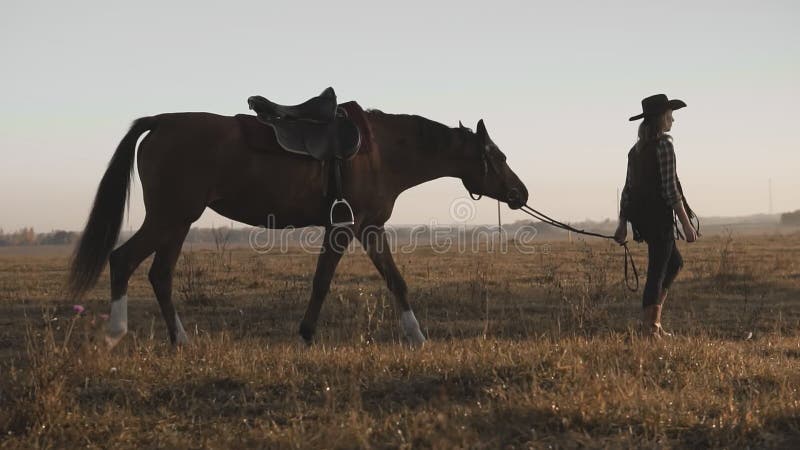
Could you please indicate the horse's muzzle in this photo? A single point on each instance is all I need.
(516, 199)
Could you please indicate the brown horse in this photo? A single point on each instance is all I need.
(190, 161)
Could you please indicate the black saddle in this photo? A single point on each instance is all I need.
(318, 109)
(317, 127)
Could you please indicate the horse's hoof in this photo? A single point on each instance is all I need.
(181, 340)
(113, 340)
(179, 345)
(305, 343)
(416, 340)
(306, 334)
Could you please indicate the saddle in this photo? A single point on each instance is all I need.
(318, 127)
(321, 129)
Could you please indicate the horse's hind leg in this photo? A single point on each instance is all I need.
(161, 275)
(377, 247)
(122, 263)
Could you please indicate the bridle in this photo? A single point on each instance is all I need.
(488, 164)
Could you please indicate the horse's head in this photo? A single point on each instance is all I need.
(487, 172)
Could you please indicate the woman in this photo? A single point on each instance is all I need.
(651, 200)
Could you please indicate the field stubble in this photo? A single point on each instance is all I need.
(524, 351)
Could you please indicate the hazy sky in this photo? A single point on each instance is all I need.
(554, 81)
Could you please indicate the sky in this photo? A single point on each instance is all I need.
(555, 83)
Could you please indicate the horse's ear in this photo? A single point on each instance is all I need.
(482, 128)
(461, 125)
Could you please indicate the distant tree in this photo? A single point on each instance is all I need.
(25, 236)
(58, 237)
(791, 218)
(28, 236)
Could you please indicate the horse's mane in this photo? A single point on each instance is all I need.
(430, 134)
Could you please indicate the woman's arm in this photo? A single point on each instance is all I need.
(622, 227)
(669, 187)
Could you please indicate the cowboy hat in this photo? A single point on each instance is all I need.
(656, 105)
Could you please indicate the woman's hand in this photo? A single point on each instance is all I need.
(622, 232)
(689, 232)
(688, 229)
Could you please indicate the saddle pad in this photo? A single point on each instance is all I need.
(359, 118)
(258, 136)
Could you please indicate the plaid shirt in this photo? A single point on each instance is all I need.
(670, 185)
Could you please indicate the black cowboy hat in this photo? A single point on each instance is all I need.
(656, 105)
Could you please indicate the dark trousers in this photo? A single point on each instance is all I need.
(663, 264)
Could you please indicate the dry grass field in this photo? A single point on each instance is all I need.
(524, 351)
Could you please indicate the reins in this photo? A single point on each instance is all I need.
(627, 258)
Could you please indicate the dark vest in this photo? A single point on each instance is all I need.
(650, 216)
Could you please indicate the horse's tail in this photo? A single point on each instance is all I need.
(105, 220)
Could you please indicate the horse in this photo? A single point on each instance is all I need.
(195, 160)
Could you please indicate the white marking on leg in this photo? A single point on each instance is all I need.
(410, 327)
(180, 334)
(118, 322)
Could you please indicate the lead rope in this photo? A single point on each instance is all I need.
(627, 257)
(499, 222)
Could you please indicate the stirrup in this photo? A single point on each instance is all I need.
(348, 210)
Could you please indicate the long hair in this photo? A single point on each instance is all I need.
(651, 129)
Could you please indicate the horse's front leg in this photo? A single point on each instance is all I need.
(335, 243)
(377, 247)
